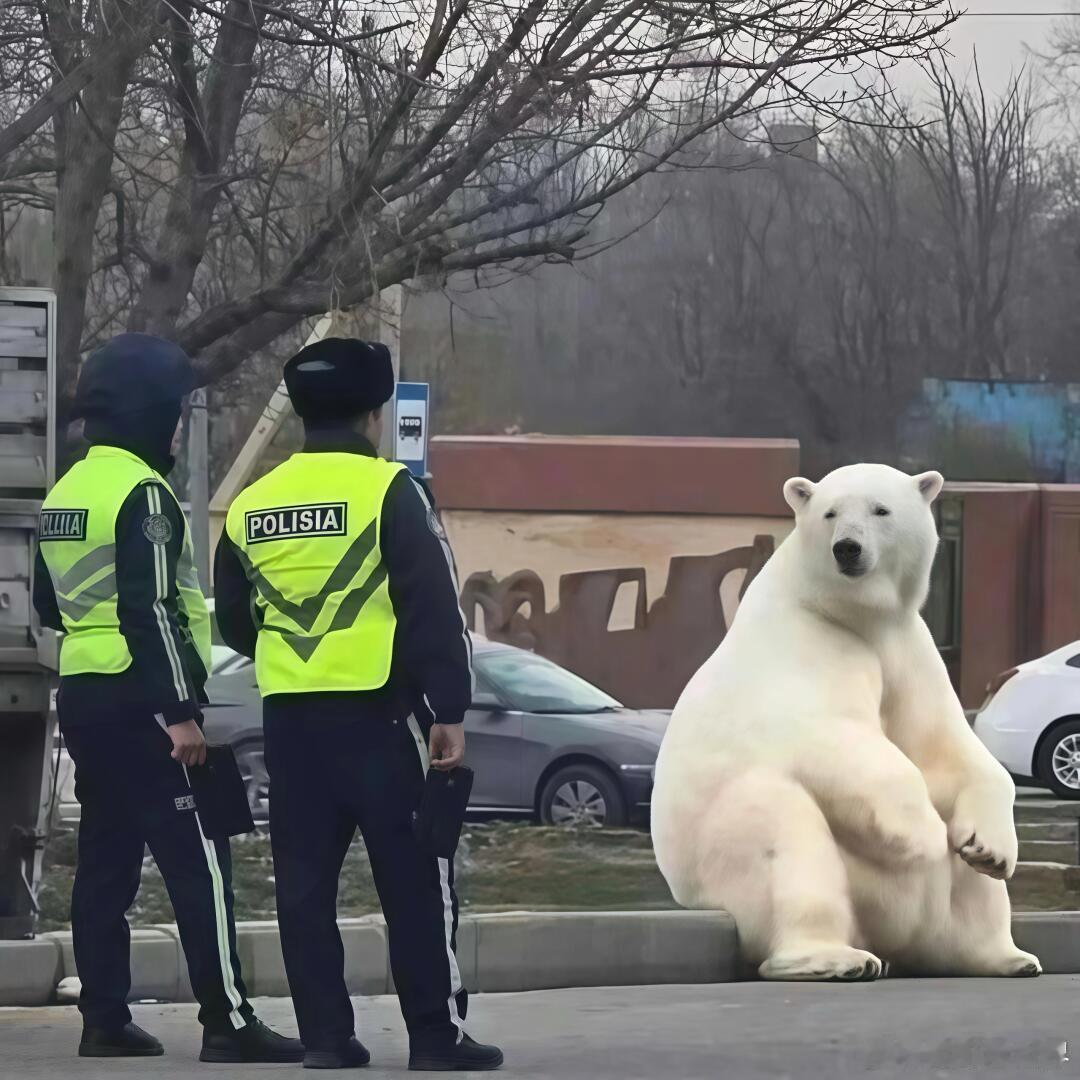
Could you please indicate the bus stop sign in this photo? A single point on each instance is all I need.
(411, 427)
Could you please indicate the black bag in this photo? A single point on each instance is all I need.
(220, 796)
(437, 824)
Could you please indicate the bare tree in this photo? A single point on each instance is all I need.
(223, 171)
(776, 295)
(978, 161)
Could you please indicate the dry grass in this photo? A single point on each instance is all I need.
(500, 866)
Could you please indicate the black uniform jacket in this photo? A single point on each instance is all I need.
(431, 672)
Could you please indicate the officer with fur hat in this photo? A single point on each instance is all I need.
(115, 574)
(334, 573)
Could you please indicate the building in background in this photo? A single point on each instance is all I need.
(996, 430)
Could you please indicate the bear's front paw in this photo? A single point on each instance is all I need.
(990, 854)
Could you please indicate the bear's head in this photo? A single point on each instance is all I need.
(867, 534)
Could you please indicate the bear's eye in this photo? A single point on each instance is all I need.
(830, 515)
(882, 511)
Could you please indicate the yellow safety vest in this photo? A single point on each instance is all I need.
(309, 537)
(77, 534)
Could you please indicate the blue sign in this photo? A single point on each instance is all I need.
(411, 426)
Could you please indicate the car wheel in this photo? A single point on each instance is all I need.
(1058, 762)
(250, 760)
(582, 795)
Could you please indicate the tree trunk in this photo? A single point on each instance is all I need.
(85, 135)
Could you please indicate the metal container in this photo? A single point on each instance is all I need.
(27, 652)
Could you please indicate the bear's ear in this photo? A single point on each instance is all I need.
(930, 485)
(797, 491)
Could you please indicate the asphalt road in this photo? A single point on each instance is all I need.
(744, 1031)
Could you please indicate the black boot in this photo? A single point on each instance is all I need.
(128, 1041)
(253, 1044)
(466, 1056)
(353, 1055)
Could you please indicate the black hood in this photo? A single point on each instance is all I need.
(146, 433)
(131, 393)
(131, 373)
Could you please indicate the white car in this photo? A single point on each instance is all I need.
(1030, 720)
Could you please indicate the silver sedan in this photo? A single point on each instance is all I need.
(542, 741)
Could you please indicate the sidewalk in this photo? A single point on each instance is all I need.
(892, 1030)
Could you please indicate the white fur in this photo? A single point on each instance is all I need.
(819, 779)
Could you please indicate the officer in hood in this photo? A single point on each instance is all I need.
(115, 575)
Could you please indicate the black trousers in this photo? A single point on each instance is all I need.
(334, 766)
(133, 794)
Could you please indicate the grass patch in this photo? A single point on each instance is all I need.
(500, 866)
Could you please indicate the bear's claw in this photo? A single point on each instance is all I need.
(1022, 966)
(867, 973)
(983, 858)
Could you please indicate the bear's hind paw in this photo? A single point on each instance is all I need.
(1022, 966)
(838, 963)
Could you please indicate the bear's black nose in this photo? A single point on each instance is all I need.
(847, 553)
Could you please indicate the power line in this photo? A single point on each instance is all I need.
(1018, 14)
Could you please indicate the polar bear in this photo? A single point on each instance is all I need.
(818, 778)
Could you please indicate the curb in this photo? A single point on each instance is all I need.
(498, 953)
(1054, 937)
(1046, 811)
(529, 951)
(29, 971)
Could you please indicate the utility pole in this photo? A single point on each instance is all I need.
(199, 484)
(386, 318)
(266, 427)
(381, 319)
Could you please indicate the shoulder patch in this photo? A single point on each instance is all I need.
(434, 524)
(157, 529)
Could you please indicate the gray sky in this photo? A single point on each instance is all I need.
(1004, 39)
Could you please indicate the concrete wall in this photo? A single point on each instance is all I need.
(1021, 577)
(622, 559)
(553, 544)
(560, 506)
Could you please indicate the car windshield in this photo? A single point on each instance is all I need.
(532, 684)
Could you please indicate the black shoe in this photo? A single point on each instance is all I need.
(353, 1055)
(253, 1044)
(128, 1041)
(466, 1056)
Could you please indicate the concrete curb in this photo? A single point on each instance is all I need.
(508, 951)
(512, 951)
(1053, 936)
(1042, 811)
(531, 951)
(158, 968)
(29, 971)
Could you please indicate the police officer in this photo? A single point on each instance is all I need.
(335, 574)
(114, 572)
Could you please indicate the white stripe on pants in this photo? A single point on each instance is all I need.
(221, 915)
(448, 902)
